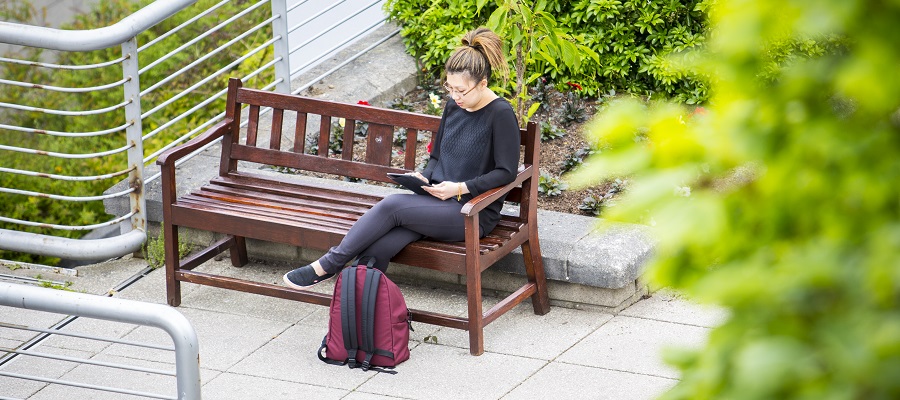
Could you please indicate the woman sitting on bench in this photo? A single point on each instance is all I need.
(475, 149)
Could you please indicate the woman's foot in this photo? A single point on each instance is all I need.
(303, 277)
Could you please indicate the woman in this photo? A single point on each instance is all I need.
(475, 149)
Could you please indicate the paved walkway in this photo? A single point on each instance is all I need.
(254, 347)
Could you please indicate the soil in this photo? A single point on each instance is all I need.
(555, 108)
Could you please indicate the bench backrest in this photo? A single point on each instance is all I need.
(307, 115)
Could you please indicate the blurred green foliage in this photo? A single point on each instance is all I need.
(105, 13)
(780, 200)
(632, 40)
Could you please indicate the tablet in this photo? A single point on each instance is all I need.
(410, 182)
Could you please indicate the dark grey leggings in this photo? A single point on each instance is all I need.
(394, 222)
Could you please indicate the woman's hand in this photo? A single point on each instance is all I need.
(417, 174)
(446, 190)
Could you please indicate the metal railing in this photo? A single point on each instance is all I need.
(74, 305)
(151, 113)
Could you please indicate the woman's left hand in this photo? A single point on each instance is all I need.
(443, 190)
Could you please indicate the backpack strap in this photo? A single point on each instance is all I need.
(321, 354)
(370, 293)
(348, 314)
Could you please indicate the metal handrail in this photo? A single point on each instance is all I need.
(179, 329)
(93, 39)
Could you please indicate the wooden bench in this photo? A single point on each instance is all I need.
(242, 204)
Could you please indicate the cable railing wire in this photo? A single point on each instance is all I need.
(66, 177)
(66, 155)
(200, 37)
(208, 55)
(204, 81)
(62, 89)
(313, 17)
(63, 66)
(67, 113)
(71, 227)
(212, 120)
(326, 53)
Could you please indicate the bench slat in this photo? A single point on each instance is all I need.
(348, 137)
(409, 153)
(324, 135)
(253, 125)
(308, 162)
(253, 182)
(338, 210)
(332, 108)
(299, 220)
(300, 133)
(277, 122)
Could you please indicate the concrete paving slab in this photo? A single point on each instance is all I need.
(291, 356)
(224, 338)
(22, 317)
(92, 327)
(670, 306)
(36, 366)
(358, 395)
(566, 381)
(117, 378)
(100, 278)
(634, 345)
(248, 304)
(441, 372)
(229, 386)
(522, 333)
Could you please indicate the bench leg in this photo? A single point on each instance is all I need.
(239, 252)
(170, 243)
(476, 316)
(534, 269)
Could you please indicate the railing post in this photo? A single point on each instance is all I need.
(133, 134)
(281, 47)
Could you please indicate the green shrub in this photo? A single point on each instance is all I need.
(550, 131)
(779, 201)
(105, 13)
(550, 186)
(633, 40)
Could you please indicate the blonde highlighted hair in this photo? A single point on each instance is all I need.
(480, 55)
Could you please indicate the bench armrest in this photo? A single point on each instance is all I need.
(483, 200)
(168, 158)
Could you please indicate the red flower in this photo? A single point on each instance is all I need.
(429, 146)
(574, 85)
(363, 102)
(700, 111)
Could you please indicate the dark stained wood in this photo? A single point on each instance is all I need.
(300, 133)
(253, 125)
(244, 204)
(277, 122)
(348, 136)
(409, 154)
(379, 143)
(324, 135)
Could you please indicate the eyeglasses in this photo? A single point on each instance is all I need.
(453, 92)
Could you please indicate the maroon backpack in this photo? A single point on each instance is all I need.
(369, 323)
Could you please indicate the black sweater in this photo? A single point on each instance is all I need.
(479, 148)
